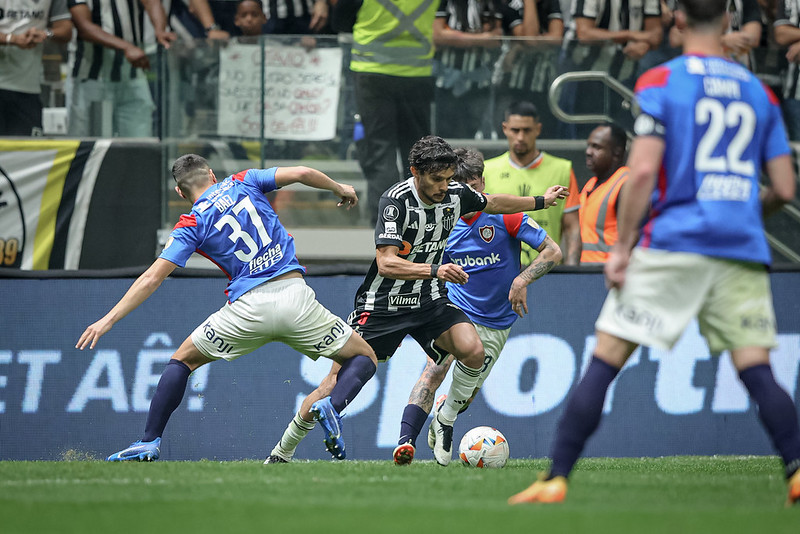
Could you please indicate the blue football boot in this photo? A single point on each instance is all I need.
(331, 421)
(139, 451)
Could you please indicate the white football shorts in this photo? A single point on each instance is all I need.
(664, 291)
(284, 310)
(493, 342)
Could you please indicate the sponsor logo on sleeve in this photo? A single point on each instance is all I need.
(390, 213)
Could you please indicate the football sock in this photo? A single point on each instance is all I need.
(355, 372)
(777, 412)
(581, 416)
(168, 396)
(298, 429)
(465, 379)
(414, 419)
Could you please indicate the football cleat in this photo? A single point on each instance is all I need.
(543, 491)
(139, 451)
(331, 422)
(404, 454)
(443, 445)
(436, 407)
(794, 489)
(275, 459)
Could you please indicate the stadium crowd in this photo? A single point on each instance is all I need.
(485, 53)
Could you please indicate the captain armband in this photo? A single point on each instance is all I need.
(648, 125)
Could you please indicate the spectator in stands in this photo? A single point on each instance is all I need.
(283, 16)
(192, 19)
(467, 35)
(787, 34)
(604, 36)
(743, 35)
(392, 63)
(665, 51)
(107, 83)
(23, 32)
(250, 18)
(605, 157)
(528, 67)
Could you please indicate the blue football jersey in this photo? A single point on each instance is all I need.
(719, 125)
(487, 247)
(234, 225)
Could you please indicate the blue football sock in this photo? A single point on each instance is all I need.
(355, 372)
(777, 413)
(411, 425)
(581, 417)
(168, 396)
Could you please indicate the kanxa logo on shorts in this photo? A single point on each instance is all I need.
(211, 335)
(333, 334)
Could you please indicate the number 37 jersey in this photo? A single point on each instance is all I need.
(234, 225)
(719, 125)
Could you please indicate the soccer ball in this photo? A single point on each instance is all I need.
(483, 446)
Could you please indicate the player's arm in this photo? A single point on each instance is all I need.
(549, 256)
(501, 203)
(644, 161)
(142, 288)
(781, 189)
(318, 180)
(391, 265)
(571, 237)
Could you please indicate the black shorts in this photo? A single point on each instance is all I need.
(384, 331)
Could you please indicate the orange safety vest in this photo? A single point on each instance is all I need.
(598, 215)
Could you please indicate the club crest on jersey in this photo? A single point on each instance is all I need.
(448, 218)
(390, 213)
(487, 233)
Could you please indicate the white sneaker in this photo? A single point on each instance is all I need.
(436, 407)
(443, 445)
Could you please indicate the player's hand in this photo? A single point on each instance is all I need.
(347, 194)
(616, 268)
(92, 333)
(450, 272)
(518, 297)
(552, 195)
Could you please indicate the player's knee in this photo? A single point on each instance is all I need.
(473, 356)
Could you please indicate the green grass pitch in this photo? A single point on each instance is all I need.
(672, 495)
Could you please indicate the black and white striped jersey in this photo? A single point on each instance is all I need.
(420, 231)
(789, 13)
(93, 61)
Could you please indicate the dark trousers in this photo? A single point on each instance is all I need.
(395, 112)
(20, 113)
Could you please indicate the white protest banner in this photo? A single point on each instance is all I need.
(300, 98)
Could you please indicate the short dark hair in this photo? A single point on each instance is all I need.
(432, 154)
(190, 171)
(523, 108)
(258, 2)
(703, 12)
(619, 138)
(470, 164)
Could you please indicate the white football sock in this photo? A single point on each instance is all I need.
(465, 380)
(298, 429)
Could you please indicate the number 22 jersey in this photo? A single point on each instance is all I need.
(719, 125)
(234, 225)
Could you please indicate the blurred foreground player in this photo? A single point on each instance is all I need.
(706, 129)
(233, 224)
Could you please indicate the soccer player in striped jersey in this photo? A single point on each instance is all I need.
(487, 247)
(708, 128)
(404, 291)
(233, 224)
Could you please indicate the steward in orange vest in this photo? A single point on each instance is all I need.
(605, 153)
